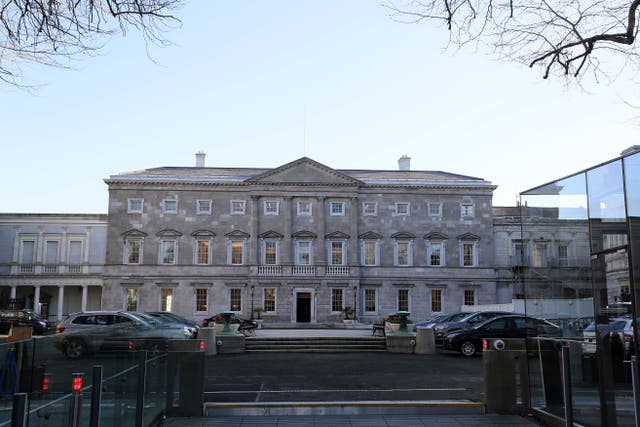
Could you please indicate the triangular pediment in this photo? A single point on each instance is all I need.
(403, 235)
(337, 235)
(203, 233)
(370, 235)
(237, 234)
(271, 235)
(468, 236)
(168, 233)
(435, 236)
(134, 233)
(304, 171)
(304, 234)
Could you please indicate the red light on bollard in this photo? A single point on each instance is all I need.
(45, 383)
(77, 382)
(202, 345)
(130, 345)
(485, 345)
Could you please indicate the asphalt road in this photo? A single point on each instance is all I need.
(276, 377)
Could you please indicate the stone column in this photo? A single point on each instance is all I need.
(63, 252)
(39, 248)
(16, 246)
(85, 292)
(36, 299)
(85, 256)
(286, 241)
(322, 248)
(13, 292)
(253, 230)
(353, 241)
(60, 301)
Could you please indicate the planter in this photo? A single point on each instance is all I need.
(390, 328)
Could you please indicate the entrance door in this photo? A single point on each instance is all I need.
(303, 307)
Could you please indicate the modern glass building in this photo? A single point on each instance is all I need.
(580, 250)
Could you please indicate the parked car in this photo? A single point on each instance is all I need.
(429, 321)
(87, 332)
(469, 341)
(466, 322)
(23, 317)
(619, 326)
(174, 318)
(439, 326)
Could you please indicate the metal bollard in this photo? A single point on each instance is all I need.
(76, 399)
(566, 386)
(96, 396)
(141, 391)
(19, 411)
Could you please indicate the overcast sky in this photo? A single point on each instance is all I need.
(240, 77)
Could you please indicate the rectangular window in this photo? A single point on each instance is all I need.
(402, 208)
(403, 299)
(435, 209)
(370, 208)
(131, 303)
(28, 252)
(235, 300)
(337, 253)
(469, 297)
(203, 252)
(270, 207)
(304, 208)
(269, 300)
(563, 256)
(237, 207)
(166, 299)
(436, 300)
(135, 205)
(270, 253)
(370, 252)
(337, 208)
(402, 258)
(203, 207)
(435, 254)
(466, 209)
(170, 206)
(304, 253)
(167, 251)
(336, 300)
(468, 256)
(539, 258)
(51, 252)
(201, 299)
(75, 252)
(132, 255)
(237, 252)
(370, 300)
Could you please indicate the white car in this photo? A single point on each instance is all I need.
(620, 326)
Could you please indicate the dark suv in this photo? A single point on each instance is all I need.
(22, 317)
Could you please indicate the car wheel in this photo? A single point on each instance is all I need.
(468, 348)
(74, 349)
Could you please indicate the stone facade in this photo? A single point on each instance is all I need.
(301, 241)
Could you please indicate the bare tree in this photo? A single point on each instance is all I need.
(562, 37)
(54, 32)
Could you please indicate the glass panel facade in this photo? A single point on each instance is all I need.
(582, 234)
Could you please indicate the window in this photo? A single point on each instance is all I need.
(402, 209)
(435, 209)
(337, 255)
(370, 300)
(336, 300)
(270, 252)
(468, 254)
(369, 208)
(270, 207)
(170, 206)
(27, 252)
(563, 256)
(469, 297)
(269, 300)
(539, 258)
(436, 300)
(403, 253)
(75, 252)
(237, 207)
(403, 299)
(303, 253)
(237, 252)
(135, 205)
(203, 207)
(51, 248)
(435, 254)
(131, 299)
(168, 252)
(133, 251)
(466, 209)
(166, 299)
(201, 299)
(370, 252)
(235, 299)
(304, 208)
(337, 208)
(202, 252)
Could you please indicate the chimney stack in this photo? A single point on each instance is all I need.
(404, 163)
(201, 159)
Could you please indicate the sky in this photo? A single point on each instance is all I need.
(261, 84)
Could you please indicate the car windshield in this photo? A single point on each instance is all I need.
(459, 316)
(33, 315)
(144, 319)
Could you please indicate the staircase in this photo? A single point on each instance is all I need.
(315, 344)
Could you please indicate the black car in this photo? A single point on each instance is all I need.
(469, 341)
(22, 317)
(466, 322)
